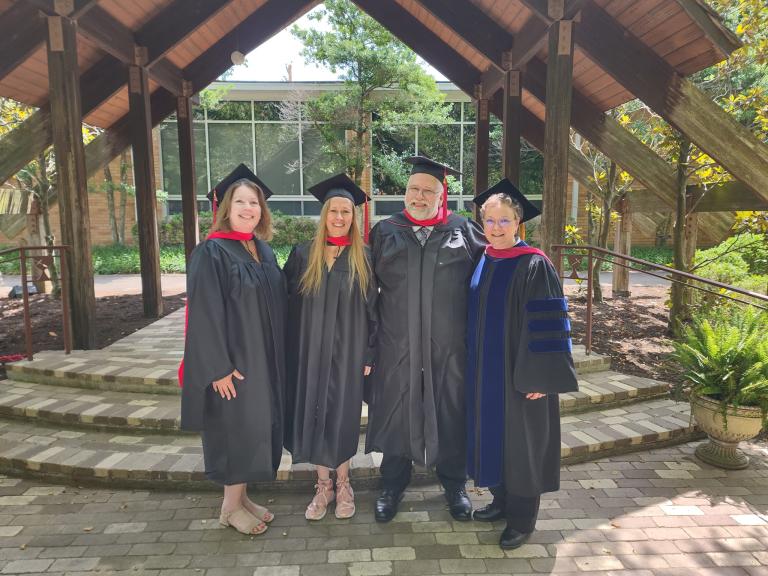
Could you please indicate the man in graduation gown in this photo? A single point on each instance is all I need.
(423, 258)
(519, 360)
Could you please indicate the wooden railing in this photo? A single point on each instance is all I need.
(42, 258)
(575, 255)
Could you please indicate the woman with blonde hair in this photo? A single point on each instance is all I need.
(233, 373)
(331, 330)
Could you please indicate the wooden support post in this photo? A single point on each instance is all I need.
(622, 244)
(187, 169)
(144, 179)
(557, 133)
(482, 145)
(511, 143)
(67, 132)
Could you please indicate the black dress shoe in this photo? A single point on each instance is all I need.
(490, 513)
(459, 504)
(511, 539)
(386, 505)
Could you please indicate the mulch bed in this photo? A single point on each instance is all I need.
(116, 317)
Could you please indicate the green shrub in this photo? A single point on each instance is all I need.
(721, 266)
(725, 356)
(292, 230)
(656, 254)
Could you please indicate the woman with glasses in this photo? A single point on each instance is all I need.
(519, 345)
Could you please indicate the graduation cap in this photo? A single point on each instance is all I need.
(424, 165)
(242, 172)
(342, 186)
(506, 187)
(339, 185)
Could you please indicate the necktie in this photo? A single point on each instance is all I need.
(422, 234)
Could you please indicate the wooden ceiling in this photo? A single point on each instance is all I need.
(672, 31)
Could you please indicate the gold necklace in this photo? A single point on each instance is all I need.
(247, 245)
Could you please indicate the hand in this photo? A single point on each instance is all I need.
(367, 370)
(226, 387)
(534, 395)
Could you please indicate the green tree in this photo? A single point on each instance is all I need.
(367, 58)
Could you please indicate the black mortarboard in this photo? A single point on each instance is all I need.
(338, 185)
(242, 172)
(506, 187)
(424, 165)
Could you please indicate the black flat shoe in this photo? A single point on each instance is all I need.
(459, 504)
(511, 539)
(489, 513)
(386, 505)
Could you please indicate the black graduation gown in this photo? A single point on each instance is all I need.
(330, 337)
(236, 320)
(422, 312)
(519, 341)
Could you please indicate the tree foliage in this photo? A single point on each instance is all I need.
(384, 84)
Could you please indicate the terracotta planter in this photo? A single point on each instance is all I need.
(722, 449)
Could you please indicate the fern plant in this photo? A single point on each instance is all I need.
(726, 359)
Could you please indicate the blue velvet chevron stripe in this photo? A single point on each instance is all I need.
(547, 305)
(542, 346)
(550, 325)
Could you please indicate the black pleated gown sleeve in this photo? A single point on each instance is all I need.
(331, 337)
(236, 320)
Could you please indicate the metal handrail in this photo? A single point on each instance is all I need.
(677, 276)
(23, 257)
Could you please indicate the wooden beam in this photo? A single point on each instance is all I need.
(557, 133)
(550, 11)
(22, 32)
(728, 196)
(187, 172)
(144, 181)
(423, 41)
(513, 104)
(109, 34)
(474, 26)
(610, 138)
(202, 72)
(482, 144)
(20, 146)
(173, 24)
(708, 20)
(70, 8)
(622, 243)
(648, 76)
(67, 133)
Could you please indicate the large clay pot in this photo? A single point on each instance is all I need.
(722, 448)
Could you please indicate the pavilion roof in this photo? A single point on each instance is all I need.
(191, 40)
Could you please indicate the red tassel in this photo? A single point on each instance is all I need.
(215, 204)
(366, 221)
(445, 196)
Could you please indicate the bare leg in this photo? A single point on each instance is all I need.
(345, 497)
(260, 512)
(324, 495)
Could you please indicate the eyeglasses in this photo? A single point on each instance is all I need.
(425, 192)
(503, 223)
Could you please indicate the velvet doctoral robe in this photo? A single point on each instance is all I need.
(519, 341)
(235, 320)
(417, 389)
(330, 337)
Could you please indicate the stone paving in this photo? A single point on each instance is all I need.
(658, 513)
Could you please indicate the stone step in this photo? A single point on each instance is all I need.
(175, 461)
(139, 412)
(130, 367)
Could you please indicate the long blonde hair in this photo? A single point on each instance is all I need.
(359, 268)
(263, 229)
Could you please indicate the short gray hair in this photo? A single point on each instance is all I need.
(505, 200)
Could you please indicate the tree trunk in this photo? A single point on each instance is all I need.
(50, 239)
(680, 309)
(109, 185)
(123, 196)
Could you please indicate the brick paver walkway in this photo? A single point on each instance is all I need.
(659, 513)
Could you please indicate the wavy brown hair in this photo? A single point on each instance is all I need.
(263, 229)
(359, 269)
